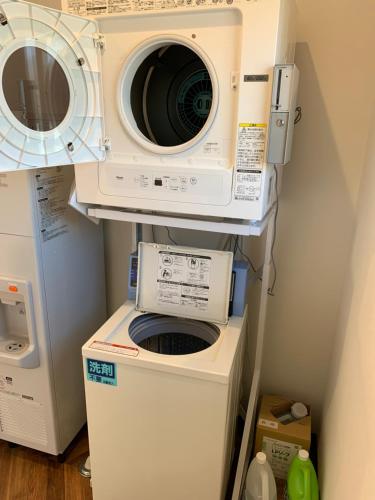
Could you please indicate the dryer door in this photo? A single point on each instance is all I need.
(50, 89)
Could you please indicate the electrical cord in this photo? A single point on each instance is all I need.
(232, 243)
(226, 242)
(168, 233)
(248, 260)
(271, 289)
(170, 236)
(237, 248)
(298, 117)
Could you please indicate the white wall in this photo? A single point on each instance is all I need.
(319, 195)
(347, 462)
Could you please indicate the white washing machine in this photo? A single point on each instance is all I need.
(162, 381)
(170, 103)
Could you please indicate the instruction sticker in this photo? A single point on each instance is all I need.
(100, 7)
(279, 455)
(52, 202)
(101, 371)
(250, 159)
(183, 279)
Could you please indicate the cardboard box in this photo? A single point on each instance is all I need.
(281, 487)
(280, 441)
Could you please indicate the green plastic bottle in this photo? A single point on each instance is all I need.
(302, 480)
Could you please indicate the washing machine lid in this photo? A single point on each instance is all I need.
(184, 282)
(50, 90)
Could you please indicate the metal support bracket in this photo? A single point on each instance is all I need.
(216, 225)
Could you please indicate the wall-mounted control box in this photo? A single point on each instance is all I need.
(283, 108)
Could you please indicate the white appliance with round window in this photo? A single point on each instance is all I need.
(161, 105)
(50, 106)
(167, 94)
(163, 380)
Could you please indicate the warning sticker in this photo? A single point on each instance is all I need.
(183, 279)
(100, 7)
(52, 202)
(117, 348)
(97, 7)
(250, 159)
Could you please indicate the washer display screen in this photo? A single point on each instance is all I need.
(35, 88)
(171, 95)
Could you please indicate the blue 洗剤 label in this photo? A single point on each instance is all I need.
(101, 371)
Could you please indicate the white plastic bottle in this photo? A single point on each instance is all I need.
(260, 482)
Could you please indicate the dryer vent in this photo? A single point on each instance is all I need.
(171, 95)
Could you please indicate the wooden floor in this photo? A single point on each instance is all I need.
(31, 475)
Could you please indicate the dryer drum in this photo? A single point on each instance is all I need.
(171, 95)
(173, 336)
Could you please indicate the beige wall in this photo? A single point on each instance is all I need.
(347, 462)
(319, 195)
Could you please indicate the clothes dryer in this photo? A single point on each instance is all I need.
(161, 105)
(162, 381)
